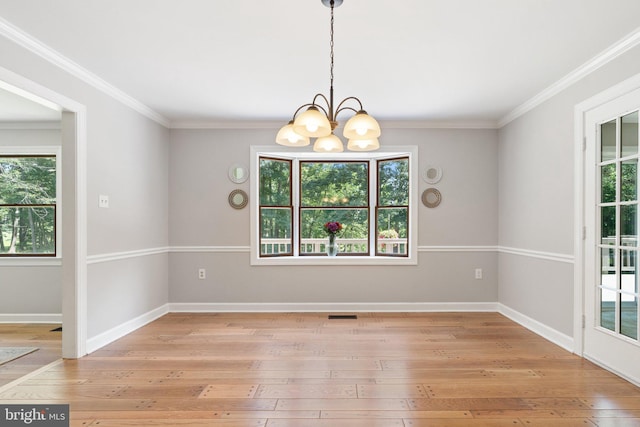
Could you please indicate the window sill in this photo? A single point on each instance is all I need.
(30, 262)
(338, 260)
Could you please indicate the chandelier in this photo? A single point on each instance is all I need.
(319, 121)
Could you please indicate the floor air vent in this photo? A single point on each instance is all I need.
(342, 316)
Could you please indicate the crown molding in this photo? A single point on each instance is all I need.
(35, 46)
(608, 55)
(387, 124)
(226, 124)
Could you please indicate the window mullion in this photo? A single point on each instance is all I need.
(295, 205)
(373, 205)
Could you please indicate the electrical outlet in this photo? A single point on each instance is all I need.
(202, 274)
(103, 201)
(478, 273)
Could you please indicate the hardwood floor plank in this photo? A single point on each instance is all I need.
(217, 391)
(307, 391)
(468, 404)
(605, 401)
(301, 369)
(561, 422)
(617, 422)
(350, 404)
(334, 423)
(391, 390)
(395, 414)
(447, 422)
(136, 422)
(600, 413)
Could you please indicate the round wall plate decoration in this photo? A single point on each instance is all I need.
(431, 197)
(432, 174)
(238, 173)
(238, 199)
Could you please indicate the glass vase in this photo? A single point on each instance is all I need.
(332, 246)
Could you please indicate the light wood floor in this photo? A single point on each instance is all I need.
(49, 346)
(297, 370)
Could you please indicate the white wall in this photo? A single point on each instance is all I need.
(217, 236)
(127, 159)
(536, 191)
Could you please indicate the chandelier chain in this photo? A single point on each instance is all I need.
(331, 44)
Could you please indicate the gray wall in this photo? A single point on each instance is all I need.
(218, 236)
(128, 161)
(536, 191)
(18, 285)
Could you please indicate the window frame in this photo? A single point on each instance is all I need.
(290, 207)
(39, 259)
(373, 258)
(366, 207)
(379, 206)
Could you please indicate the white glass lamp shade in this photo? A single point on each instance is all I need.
(328, 144)
(363, 144)
(312, 123)
(289, 138)
(361, 126)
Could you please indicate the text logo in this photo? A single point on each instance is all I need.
(34, 415)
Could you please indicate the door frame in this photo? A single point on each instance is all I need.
(74, 208)
(581, 229)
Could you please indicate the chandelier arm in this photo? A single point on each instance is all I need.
(339, 110)
(319, 95)
(300, 108)
(311, 104)
(340, 107)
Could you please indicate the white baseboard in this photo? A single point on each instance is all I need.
(329, 307)
(541, 329)
(31, 318)
(633, 380)
(99, 341)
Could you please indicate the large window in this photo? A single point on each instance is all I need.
(334, 191)
(369, 195)
(28, 205)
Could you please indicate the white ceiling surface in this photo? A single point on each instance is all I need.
(255, 60)
(16, 107)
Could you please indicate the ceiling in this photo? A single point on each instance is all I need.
(17, 106)
(208, 61)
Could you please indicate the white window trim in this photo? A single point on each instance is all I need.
(396, 151)
(45, 150)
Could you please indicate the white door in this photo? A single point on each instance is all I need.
(611, 243)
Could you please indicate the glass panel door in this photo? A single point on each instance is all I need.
(618, 209)
(610, 236)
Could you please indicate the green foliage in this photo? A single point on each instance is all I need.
(334, 191)
(275, 182)
(27, 189)
(393, 195)
(331, 184)
(393, 176)
(628, 192)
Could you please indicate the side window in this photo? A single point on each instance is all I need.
(392, 212)
(276, 208)
(28, 205)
